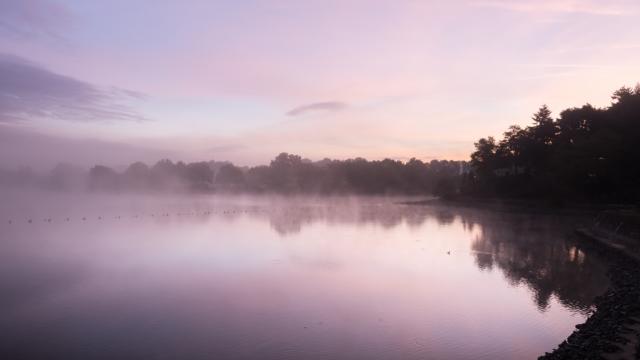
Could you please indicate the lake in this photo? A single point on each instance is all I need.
(124, 277)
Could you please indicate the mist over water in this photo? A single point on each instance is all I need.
(269, 277)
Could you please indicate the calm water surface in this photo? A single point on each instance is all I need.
(275, 278)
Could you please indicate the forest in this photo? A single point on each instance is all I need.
(287, 173)
(586, 154)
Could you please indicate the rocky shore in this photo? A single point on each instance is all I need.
(613, 330)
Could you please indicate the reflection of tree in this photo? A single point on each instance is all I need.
(444, 217)
(539, 253)
(533, 250)
(291, 219)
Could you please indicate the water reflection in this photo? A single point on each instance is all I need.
(529, 251)
(387, 213)
(535, 250)
(272, 278)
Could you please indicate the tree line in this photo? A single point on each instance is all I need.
(287, 173)
(586, 153)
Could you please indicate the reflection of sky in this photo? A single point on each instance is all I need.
(420, 79)
(354, 283)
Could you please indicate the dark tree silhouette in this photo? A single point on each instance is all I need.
(585, 154)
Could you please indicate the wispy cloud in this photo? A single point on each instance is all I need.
(26, 18)
(319, 106)
(28, 91)
(562, 6)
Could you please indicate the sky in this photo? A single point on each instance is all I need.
(124, 80)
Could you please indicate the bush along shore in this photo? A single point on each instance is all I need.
(613, 330)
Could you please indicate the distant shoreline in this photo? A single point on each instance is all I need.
(524, 205)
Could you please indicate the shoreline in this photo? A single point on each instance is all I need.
(613, 330)
(524, 205)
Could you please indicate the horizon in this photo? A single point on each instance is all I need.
(116, 82)
(152, 162)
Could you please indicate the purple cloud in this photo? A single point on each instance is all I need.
(28, 91)
(319, 106)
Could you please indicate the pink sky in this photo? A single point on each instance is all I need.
(200, 80)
